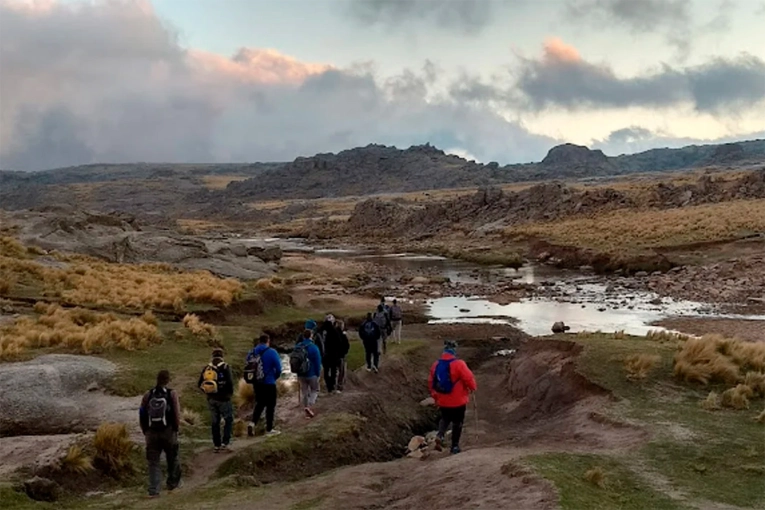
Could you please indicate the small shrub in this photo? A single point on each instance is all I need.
(240, 428)
(75, 461)
(244, 395)
(756, 381)
(737, 398)
(195, 325)
(596, 476)
(190, 417)
(701, 360)
(712, 402)
(113, 449)
(638, 366)
(149, 318)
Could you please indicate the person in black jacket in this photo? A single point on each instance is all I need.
(371, 336)
(217, 382)
(332, 352)
(160, 419)
(345, 347)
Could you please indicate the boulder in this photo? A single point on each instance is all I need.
(416, 443)
(49, 395)
(560, 327)
(42, 489)
(266, 253)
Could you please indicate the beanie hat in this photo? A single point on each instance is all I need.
(450, 346)
(310, 324)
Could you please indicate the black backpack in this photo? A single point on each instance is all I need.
(369, 330)
(253, 369)
(159, 409)
(299, 362)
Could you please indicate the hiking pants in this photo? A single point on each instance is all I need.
(331, 371)
(221, 410)
(372, 350)
(265, 398)
(397, 331)
(156, 443)
(341, 374)
(455, 416)
(309, 389)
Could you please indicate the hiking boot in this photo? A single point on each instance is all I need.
(309, 412)
(272, 433)
(179, 486)
(439, 443)
(251, 429)
(226, 448)
(369, 369)
(338, 391)
(455, 450)
(376, 370)
(216, 449)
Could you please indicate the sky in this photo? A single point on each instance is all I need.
(178, 81)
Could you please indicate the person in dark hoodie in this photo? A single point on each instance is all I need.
(332, 354)
(370, 335)
(382, 319)
(160, 419)
(217, 382)
(267, 374)
(345, 347)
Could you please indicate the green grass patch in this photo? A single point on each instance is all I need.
(14, 500)
(309, 504)
(357, 359)
(709, 455)
(621, 488)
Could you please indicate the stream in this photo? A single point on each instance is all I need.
(584, 302)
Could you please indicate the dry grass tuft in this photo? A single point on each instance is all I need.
(712, 402)
(77, 329)
(75, 461)
(638, 366)
(195, 325)
(240, 428)
(761, 417)
(149, 318)
(10, 247)
(596, 476)
(113, 449)
(190, 417)
(756, 381)
(704, 360)
(737, 398)
(244, 394)
(663, 336)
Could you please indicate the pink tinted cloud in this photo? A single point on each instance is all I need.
(558, 51)
(254, 65)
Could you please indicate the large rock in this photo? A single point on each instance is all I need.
(42, 489)
(49, 395)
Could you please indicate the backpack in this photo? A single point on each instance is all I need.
(158, 407)
(369, 330)
(299, 362)
(253, 368)
(395, 313)
(211, 379)
(442, 379)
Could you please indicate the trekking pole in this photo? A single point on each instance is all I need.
(475, 411)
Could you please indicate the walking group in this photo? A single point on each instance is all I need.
(318, 348)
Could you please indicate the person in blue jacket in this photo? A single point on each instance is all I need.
(265, 387)
(308, 373)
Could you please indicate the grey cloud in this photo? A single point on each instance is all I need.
(119, 88)
(634, 139)
(720, 86)
(468, 16)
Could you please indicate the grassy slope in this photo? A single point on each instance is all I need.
(704, 456)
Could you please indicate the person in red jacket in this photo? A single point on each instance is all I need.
(451, 382)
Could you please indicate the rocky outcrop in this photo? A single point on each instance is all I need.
(50, 394)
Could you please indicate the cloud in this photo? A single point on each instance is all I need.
(561, 77)
(634, 139)
(467, 16)
(109, 82)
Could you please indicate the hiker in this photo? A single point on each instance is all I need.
(217, 383)
(305, 361)
(451, 382)
(382, 319)
(332, 352)
(160, 419)
(316, 335)
(370, 335)
(262, 370)
(345, 347)
(396, 320)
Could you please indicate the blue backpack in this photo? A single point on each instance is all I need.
(442, 379)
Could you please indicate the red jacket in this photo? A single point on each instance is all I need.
(463, 380)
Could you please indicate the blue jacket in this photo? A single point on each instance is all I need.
(314, 356)
(272, 363)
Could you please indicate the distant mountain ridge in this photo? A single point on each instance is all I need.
(184, 190)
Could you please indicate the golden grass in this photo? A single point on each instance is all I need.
(634, 230)
(196, 327)
(244, 395)
(77, 329)
(10, 247)
(113, 448)
(761, 417)
(662, 336)
(712, 402)
(756, 381)
(240, 428)
(713, 358)
(76, 461)
(87, 281)
(221, 181)
(596, 476)
(190, 417)
(737, 398)
(638, 366)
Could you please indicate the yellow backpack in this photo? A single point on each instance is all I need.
(209, 380)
